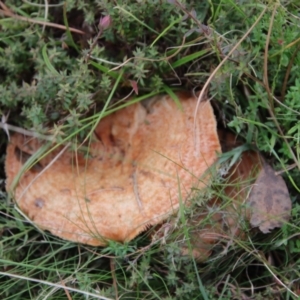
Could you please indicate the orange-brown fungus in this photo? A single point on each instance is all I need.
(141, 162)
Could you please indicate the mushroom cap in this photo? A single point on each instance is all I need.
(141, 166)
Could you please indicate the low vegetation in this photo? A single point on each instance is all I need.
(65, 65)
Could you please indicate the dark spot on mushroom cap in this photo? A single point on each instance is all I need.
(281, 193)
(252, 203)
(163, 182)
(146, 173)
(39, 202)
(66, 191)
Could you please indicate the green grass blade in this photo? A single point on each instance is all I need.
(171, 93)
(68, 32)
(47, 61)
(105, 70)
(188, 58)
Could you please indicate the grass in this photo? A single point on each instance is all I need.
(56, 81)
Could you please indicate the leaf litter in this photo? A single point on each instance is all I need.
(270, 201)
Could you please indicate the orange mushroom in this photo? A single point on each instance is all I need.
(144, 162)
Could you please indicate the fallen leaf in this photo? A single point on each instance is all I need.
(269, 200)
(223, 217)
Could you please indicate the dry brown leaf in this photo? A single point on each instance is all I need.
(221, 218)
(268, 194)
(270, 201)
(143, 158)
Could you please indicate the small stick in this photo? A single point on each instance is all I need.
(20, 18)
(113, 274)
(136, 191)
(6, 127)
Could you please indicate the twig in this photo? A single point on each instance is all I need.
(113, 274)
(66, 291)
(6, 126)
(288, 71)
(48, 283)
(4, 7)
(265, 76)
(136, 191)
(43, 171)
(291, 167)
(20, 18)
(278, 280)
(93, 45)
(200, 97)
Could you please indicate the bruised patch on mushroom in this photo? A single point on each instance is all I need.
(39, 202)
